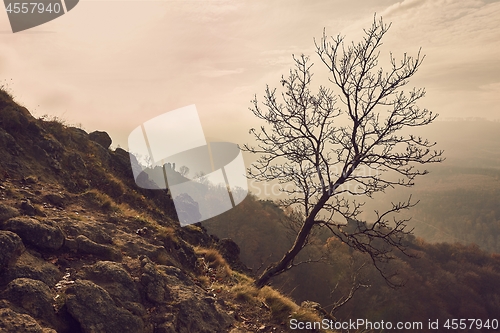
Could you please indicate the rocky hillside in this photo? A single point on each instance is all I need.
(83, 249)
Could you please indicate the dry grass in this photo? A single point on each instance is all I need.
(215, 262)
(306, 315)
(100, 200)
(113, 186)
(166, 233)
(281, 306)
(55, 126)
(245, 293)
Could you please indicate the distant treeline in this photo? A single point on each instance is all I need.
(456, 205)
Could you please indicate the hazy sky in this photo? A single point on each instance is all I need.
(111, 65)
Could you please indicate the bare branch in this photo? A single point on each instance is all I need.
(343, 143)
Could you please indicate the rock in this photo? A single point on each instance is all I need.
(196, 235)
(70, 244)
(193, 310)
(121, 161)
(33, 296)
(11, 246)
(34, 129)
(14, 118)
(8, 143)
(96, 312)
(93, 231)
(75, 162)
(231, 252)
(200, 315)
(316, 308)
(45, 235)
(51, 146)
(135, 246)
(39, 153)
(101, 138)
(185, 255)
(55, 164)
(115, 279)
(56, 199)
(11, 321)
(78, 135)
(30, 180)
(29, 266)
(153, 282)
(85, 245)
(28, 207)
(102, 154)
(174, 271)
(7, 212)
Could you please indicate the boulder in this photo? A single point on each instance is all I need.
(231, 252)
(77, 135)
(196, 234)
(175, 272)
(96, 232)
(15, 119)
(153, 282)
(101, 138)
(200, 315)
(8, 143)
(56, 199)
(11, 247)
(51, 146)
(30, 266)
(95, 310)
(7, 212)
(87, 246)
(33, 296)
(28, 208)
(115, 279)
(192, 311)
(45, 235)
(11, 321)
(75, 162)
(135, 246)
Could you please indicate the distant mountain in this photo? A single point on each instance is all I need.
(459, 197)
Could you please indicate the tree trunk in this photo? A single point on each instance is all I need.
(282, 265)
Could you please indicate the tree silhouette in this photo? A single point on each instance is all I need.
(343, 143)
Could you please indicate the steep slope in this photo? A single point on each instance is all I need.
(83, 249)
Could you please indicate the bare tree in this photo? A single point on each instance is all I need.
(343, 143)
